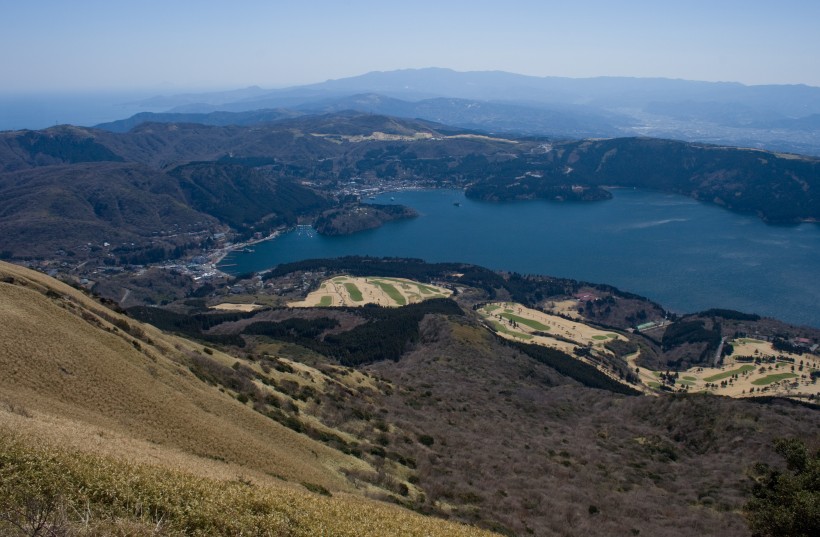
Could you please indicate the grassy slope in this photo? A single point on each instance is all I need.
(70, 380)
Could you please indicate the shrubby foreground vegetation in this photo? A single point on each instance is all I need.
(48, 491)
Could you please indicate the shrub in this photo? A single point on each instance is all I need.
(786, 503)
(426, 440)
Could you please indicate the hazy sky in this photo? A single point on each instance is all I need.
(180, 44)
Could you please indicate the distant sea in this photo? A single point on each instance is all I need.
(686, 255)
(42, 110)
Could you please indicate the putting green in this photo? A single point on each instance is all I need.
(326, 301)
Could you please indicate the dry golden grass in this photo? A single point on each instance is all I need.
(119, 400)
(56, 362)
(83, 494)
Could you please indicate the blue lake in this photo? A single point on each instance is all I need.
(686, 255)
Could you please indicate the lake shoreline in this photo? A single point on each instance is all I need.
(682, 253)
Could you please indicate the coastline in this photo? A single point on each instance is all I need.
(215, 257)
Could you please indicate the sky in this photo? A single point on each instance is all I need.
(180, 45)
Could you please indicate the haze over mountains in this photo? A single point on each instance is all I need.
(775, 117)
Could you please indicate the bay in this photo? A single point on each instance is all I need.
(42, 110)
(686, 255)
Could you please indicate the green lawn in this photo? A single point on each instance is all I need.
(391, 291)
(690, 378)
(408, 284)
(354, 292)
(599, 338)
(325, 301)
(501, 328)
(428, 290)
(769, 379)
(489, 308)
(727, 374)
(535, 325)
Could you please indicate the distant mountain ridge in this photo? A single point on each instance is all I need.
(764, 117)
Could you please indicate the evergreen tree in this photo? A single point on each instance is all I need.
(787, 504)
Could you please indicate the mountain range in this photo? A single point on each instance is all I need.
(150, 394)
(771, 117)
(164, 187)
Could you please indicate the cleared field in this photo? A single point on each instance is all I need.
(740, 378)
(392, 292)
(226, 306)
(355, 291)
(515, 321)
(736, 378)
(563, 334)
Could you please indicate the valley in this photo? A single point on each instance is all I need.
(385, 394)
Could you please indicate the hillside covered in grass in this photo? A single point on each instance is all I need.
(291, 416)
(104, 428)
